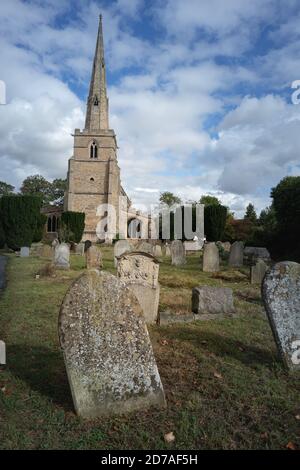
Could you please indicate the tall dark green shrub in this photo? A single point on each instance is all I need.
(214, 222)
(72, 226)
(39, 232)
(20, 218)
(2, 234)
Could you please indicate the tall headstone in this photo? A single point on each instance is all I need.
(211, 258)
(258, 271)
(178, 253)
(281, 297)
(62, 256)
(140, 272)
(157, 251)
(107, 350)
(236, 255)
(93, 258)
(24, 253)
(120, 247)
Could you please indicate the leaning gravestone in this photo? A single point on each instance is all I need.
(62, 256)
(257, 272)
(281, 297)
(24, 253)
(107, 350)
(93, 258)
(211, 258)
(236, 255)
(212, 300)
(178, 253)
(120, 247)
(140, 272)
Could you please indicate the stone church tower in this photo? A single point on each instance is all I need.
(94, 174)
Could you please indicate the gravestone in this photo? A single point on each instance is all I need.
(79, 249)
(120, 247)
(168, 251)
(253, 253)
(211, 258)
(145, 247)
(46, 251)
(107, 350)
(178, 253)
(257, 272)
(2, 353)
(281, 297)
(93, 258)
(194, 245)
(236, 255)
(226, 246)
(62, 256)
(24, 253)
(140, 272)
(212, 300)
(157, 251)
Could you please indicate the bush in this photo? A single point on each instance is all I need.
(214, 222)
(71, 227)
(20, 218)
(39, 232)
(2, 234)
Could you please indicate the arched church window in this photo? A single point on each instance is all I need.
(49, 224)
(54, 225)
(93, 150)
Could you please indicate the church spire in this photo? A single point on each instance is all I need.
(97, 104)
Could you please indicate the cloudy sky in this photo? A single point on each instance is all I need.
(200, 92)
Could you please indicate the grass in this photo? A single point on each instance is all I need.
(224, 384)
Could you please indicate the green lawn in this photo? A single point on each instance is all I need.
(224, 384)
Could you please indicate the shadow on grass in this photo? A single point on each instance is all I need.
(43, 370)
(222, 345)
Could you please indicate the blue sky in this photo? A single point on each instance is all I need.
(200, 92)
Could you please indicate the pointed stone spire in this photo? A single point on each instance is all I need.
(97, 104)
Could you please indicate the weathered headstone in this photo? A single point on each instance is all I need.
(2, 353)
(24, 253)
(140, 272)
(120, 247)
(212, 300)
(211, 258)
(236, 255)
(107, 350)
(45, 251)
(258, 271)
(168, 251)
(145, 247)
(79, 249)
(253, 253)
(62, 256)
(157, 251)
(281, 297)
(93, 258)
(178, 253)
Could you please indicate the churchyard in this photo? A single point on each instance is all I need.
(224, 382)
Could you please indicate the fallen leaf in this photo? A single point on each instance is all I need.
(169, 437)
(291, 446)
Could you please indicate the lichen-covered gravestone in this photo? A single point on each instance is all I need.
(281, 297)
(120, 247)
(107, 350)
(236, 255)
(212, 300)
(258, 271)
(211, 258)
(178, 253)
(93, 258)
(140, 272)
(62, 256)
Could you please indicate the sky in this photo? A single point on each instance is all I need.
(199, 93)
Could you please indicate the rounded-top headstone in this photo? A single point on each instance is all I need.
(62, 256)
(211, 258)
(281, 297)
(236, 256)
(178, 253)
(107, 350)
(120, 247)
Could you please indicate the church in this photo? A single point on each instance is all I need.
(93, 181)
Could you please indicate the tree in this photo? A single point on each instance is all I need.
(20, 216)
(208, 200)
(71, 226)
(37, 185)
(6, 188)
(57, 191)
(214, 222)
(267, 219)
(169, 199)
(251, 213)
